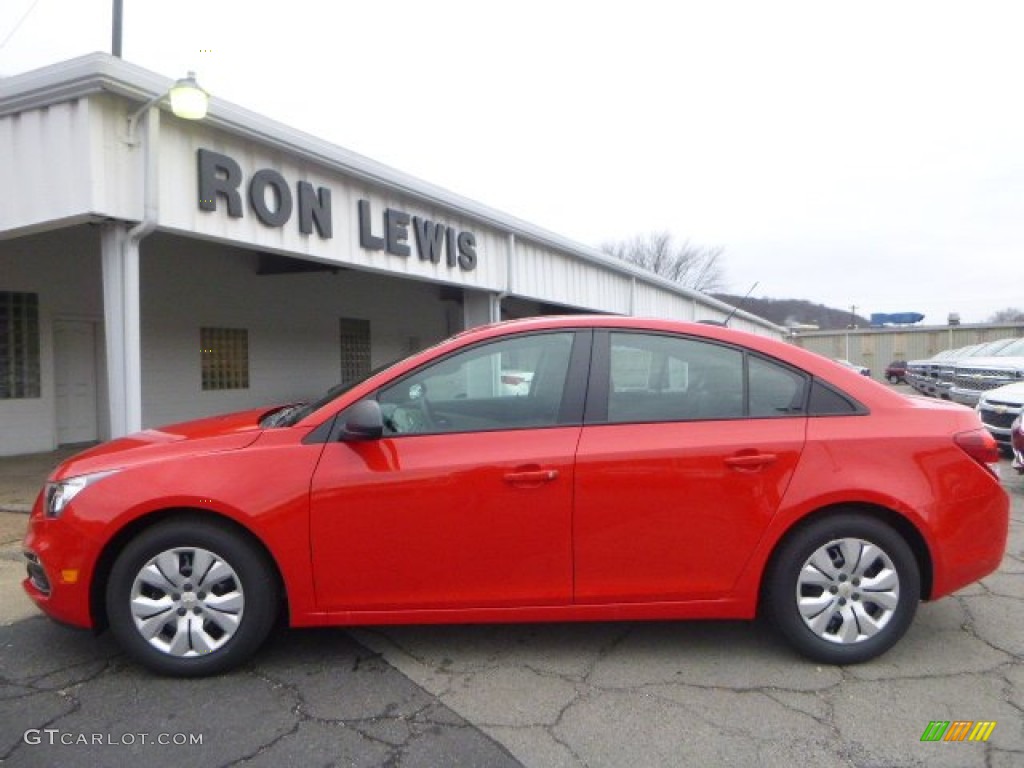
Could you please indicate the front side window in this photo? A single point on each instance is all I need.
(19, 345)
(671, 378)
(508, 384)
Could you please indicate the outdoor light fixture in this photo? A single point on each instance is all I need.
(188, 101)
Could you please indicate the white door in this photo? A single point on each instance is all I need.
(75, 380)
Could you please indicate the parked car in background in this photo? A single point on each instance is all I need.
(999, 408)
(863, 371)
(650, 469)
(896, 371)
(990, 369)
(516, 382)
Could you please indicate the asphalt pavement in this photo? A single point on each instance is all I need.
(637, 694)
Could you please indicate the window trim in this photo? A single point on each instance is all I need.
(574, 394)
(599, 390)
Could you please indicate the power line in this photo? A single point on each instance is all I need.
(20, 22)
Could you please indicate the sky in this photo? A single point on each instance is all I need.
(866, 154)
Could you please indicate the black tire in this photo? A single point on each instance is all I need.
(839, 624)
(195, 629)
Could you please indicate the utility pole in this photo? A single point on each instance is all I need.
(115, 32)
(850, 326)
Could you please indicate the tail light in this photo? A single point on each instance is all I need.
(980, 446)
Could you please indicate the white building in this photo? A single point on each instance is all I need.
(197, 267)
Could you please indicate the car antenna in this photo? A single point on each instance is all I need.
(737, 307)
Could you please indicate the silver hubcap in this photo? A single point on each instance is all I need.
(847, 591)
(187, 602)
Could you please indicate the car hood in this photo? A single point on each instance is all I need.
(218, 433)
(1010, 393)
(997, 363)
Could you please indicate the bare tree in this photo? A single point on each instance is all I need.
(692, 266)
(1008, 315)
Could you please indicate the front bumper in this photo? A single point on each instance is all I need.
(59, 563)
(968, 397)
(998, 418)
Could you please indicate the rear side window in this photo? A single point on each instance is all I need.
(774, 389)
(653, 377)
(826, 401)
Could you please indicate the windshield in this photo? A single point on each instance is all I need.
(293, 414)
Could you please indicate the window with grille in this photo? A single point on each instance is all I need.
(225, 355)
(19, 345)
(355, 349)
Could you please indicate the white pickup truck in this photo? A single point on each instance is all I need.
(977, 374)
(999, 408)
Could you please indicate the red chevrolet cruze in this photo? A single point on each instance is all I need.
(639, 469)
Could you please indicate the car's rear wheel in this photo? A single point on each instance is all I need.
(191, 597)
(843, 589)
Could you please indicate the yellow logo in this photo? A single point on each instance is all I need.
(958, 730)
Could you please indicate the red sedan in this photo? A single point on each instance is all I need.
(644, 469)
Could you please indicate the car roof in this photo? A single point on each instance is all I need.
(862, 388)
(847, 379)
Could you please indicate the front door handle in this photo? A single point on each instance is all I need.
(750, 462)
(531, 478)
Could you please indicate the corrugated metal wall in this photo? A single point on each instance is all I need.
(45, 171)
(877, 347)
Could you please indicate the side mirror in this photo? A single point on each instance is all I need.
(363, 421)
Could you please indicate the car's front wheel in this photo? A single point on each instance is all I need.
(190, 597)
(843, 589)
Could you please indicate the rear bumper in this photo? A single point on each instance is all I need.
(973, 542)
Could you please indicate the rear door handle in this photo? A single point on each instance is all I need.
(531, 478)
(750, 462)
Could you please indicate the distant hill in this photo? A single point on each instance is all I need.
(789, 311)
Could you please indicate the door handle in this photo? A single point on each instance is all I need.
(750, 462)
(531, 478)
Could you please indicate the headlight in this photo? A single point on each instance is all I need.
(59, 494)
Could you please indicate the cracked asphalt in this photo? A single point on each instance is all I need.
(637, 694)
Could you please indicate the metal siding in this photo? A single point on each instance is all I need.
(45, 157)
(876, 348)
(544, 274)
(179, 211)
(93, 172)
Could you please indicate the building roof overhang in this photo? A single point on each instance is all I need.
(97, 73)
